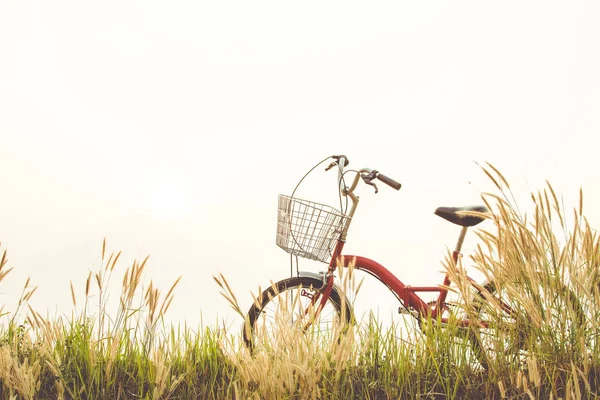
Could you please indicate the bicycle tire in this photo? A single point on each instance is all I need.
(508, 337)
(266, 314)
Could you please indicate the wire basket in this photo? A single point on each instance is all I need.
(307, 229)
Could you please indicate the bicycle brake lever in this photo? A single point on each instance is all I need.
(374, 185)
(333, 164)
(368, 179)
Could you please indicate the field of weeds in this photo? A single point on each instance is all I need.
(545, 264)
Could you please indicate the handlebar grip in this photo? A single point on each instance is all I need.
(389, 181)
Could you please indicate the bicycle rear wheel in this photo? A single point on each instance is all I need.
(546, 319)
(290, 307)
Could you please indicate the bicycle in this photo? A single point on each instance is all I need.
(313, 300)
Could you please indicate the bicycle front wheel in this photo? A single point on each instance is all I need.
(291, 307)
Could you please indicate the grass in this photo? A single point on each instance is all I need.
(546, 268)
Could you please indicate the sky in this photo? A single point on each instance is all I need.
(170, 128)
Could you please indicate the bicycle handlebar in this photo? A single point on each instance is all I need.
(389, 181)
(367, 174)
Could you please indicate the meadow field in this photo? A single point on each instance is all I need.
(545, 263)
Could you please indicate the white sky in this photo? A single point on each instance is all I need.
(170, 128)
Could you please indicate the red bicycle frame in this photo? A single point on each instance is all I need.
(405, 293)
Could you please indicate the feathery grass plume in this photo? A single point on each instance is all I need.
(228, 294)
(20, 378)
(499, 175)
(170, 294)
(73, 294)
(3, 262)
(26, 294)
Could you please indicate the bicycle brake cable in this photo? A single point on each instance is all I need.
(305, 175)
(342, 208)
(292, 195)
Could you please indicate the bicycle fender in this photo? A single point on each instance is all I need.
(320, 276)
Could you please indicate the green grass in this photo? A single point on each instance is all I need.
(547, 349)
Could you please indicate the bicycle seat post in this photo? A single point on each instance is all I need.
(442, 298)
(459, 243)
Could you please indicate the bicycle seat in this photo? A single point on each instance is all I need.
(456, 214)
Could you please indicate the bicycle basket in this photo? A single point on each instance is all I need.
(307, 229)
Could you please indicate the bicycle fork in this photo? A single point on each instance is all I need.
(318, 298)
(322, 294)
